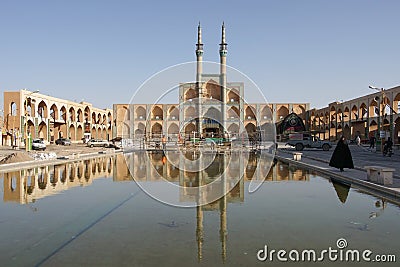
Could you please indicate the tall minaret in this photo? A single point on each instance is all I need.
(222, 80)
(199, 72)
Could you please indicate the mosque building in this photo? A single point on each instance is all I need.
(211, 106)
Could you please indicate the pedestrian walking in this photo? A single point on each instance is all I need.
(372, 141)
(358, 140)
(341, 157)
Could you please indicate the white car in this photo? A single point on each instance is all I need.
(97, 142)
(38, 144)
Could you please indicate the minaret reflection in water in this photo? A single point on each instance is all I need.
(226, 174)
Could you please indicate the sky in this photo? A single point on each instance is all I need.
(101, 52)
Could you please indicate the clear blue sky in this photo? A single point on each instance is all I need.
(296, 51)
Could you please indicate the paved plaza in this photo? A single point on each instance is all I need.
(362, 156)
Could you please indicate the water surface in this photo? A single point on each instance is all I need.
(92, 213)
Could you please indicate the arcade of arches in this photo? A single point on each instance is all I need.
(134, 121)
(50, 118)
(363, 116)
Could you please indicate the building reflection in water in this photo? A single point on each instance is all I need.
(155, 167)
(26, 186)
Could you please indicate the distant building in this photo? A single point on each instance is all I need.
(363, 116)
(49, 118)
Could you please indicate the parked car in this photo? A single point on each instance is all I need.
(302, 140)
(97, 142)
(63, 141)
(38, 144)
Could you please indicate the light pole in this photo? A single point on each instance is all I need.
(382, 112)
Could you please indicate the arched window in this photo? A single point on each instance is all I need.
(13, 109)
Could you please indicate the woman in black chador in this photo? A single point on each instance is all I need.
(341, 157)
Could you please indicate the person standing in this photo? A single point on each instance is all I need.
(387, 148)
(341, 157)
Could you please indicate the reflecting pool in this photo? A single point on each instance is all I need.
(95, 213)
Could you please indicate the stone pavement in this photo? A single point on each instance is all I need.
(362, 156)
(319, 160)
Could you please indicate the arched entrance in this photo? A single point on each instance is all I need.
(173, 130)
(125, 131)
(71, 114)
(94, 133)
(31, 129)
(104, 134)
(282, 113)
(233, 129)
(157, 113)
(79, 133)
(233, 113)
(139, 132)
(72, 135)
(173, 113)
(251, 131)
(212, 90)
(42, 132)
(42, 109)
(211, 123)
(250, 113)
(189, 129)
(156, 130)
